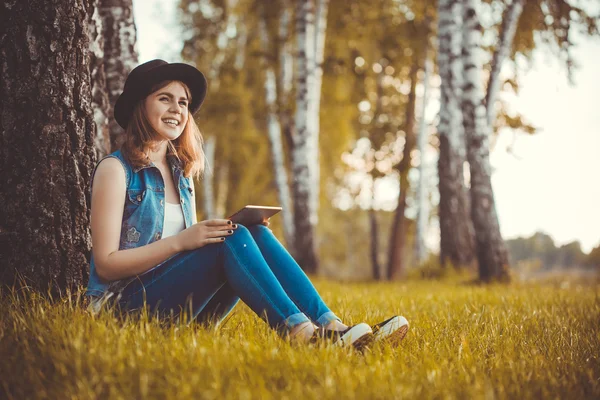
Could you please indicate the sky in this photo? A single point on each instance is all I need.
(550, 182)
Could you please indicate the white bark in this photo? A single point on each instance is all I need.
(456, 240)
(491, 252)
(210, 144)
(277, 151)
(305, 217)
(450, 67)
(422, 140)
(505, 41)
(316, 68)
(308, 105)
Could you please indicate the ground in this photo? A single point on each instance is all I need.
(465, 341)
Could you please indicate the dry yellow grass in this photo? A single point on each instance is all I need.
(520, 341)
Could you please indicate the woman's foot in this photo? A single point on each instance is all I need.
(303, 332)
(391, 331)
(358, 336)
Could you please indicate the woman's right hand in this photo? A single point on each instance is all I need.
(205, 232)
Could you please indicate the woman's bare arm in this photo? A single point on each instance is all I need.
(108, 200)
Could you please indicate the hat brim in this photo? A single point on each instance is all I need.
(192, 77)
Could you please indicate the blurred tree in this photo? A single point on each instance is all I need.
(422, 189)
(541, 246)
(593, 259)
(396, 265)
(221, 40)
(491, 252)
(456, 230)
(304, 146)
(47, 143)
(274, 129)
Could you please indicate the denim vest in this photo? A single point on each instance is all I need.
(143, 214)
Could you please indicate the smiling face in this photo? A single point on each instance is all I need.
(167, 110)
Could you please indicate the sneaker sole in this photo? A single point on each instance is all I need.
(398, 326)
(359, 337)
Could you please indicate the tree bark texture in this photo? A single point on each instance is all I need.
(120, 56)
(100, 101)
(508, 29)
(302, 138)
(422, 140)
(277, 150)
(316, 68)
(456, 230)
(46, 142)
(492, 255)
(397, 246)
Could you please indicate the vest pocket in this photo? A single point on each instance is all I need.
(136, 196)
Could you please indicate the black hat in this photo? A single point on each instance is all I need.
(142, 78)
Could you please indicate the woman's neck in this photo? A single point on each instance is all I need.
(158, 154)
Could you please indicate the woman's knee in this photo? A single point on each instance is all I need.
(240, 232)
(258, 229)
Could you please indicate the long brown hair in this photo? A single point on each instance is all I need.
(140, 135)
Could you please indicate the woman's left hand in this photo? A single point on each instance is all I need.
(266, 222)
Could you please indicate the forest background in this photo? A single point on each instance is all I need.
(338, 111)
(527, 200)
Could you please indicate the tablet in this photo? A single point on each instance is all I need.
(253, 215)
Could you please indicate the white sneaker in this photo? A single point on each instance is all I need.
(358, 336)
(391, 330)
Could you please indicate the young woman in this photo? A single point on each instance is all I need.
(149, 249)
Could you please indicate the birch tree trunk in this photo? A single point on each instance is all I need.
(491, 252)
(303, 143)
(100, 101)
(277, 151)
(422, 140)
(316, 68)
(120, 56)
(507, 35)
(47, 136)
(399, 227)
(456, 239)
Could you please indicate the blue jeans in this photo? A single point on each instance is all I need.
(250, 265)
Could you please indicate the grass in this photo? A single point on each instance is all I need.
(465, 341)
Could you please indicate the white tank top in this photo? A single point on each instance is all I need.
(174, 221)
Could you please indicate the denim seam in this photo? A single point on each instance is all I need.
(256, 283)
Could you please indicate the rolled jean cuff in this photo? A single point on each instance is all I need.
(295, 319)
(326, 318)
